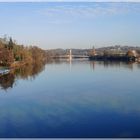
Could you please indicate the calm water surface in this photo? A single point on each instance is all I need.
(77, 99)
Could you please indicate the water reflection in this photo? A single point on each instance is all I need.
(80, 102)
(7, 81)
(32, 71)
(24, 72)
(93, 64)
(107, 64)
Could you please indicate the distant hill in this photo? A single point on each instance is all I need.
(60, 51)
(120, 48)
(66, 51)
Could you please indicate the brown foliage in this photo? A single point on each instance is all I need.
(11, 52)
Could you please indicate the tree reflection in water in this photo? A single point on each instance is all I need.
(7, 81)
(24, 72)
(32, 70)
(107, 64)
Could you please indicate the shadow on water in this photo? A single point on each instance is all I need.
(24, 72)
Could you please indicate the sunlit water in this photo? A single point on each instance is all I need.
(72, 99)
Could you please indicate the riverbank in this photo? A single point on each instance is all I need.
(113, 58)
(111, 55)
(8, 69)
(17, 64)
(14, 55)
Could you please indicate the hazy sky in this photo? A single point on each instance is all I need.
(71, 25)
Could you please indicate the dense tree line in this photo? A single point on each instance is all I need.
(13, 54)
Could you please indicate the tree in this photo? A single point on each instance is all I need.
(131, 53)
(10, 44)
(6, 57)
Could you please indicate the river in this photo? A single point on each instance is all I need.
(77, 99)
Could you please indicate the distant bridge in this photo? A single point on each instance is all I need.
(70, 56)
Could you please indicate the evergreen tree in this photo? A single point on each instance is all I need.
(11, 44)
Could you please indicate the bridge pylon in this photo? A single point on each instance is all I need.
(70, 54)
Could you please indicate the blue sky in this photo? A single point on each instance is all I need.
(71, 24)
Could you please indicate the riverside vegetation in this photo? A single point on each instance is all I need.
(13, 54)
